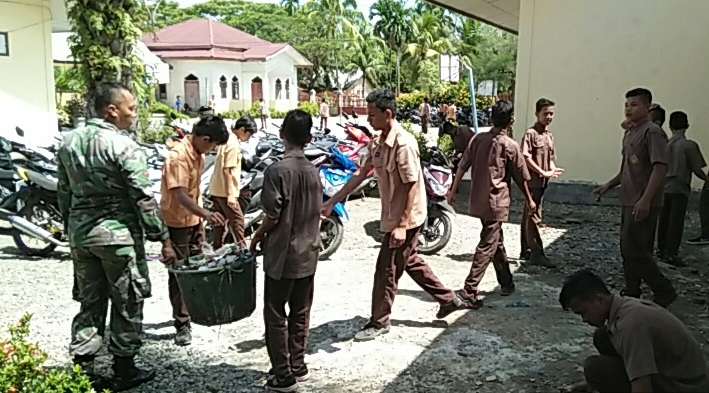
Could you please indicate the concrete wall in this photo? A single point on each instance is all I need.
(27, 75)
(209, 73)
(586, 54)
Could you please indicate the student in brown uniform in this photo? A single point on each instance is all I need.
(540, 154)
(394, 155)
(683, 159)
(642, 174)
(642, 346)
(292, 199)
(493, 158)
(460, 135)
(180, 205)
(224, 185)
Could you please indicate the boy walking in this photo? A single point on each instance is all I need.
(641, 177)
(224, 185)
(493, 158)
(425, 111)
(683, 159)
(324, 114)
(290, 233)
(540, 155)
(180, 205)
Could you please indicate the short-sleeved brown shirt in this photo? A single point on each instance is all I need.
(494, 158)
(292, 194)
(183, 168)
(644, 145)
(683, 159)
(651, 340)
(396, 161)
(461, 138)
(538, 144)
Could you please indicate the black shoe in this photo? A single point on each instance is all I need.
(541, 260)
(507, 290)
(370, 332)
(698, 240)
(660, 255)
(289, 384)
(127, 376)
(98, 382)
(301, 376)
(665, 300)
(525, 255)
(183, 336)
(676, 261)
(456, 304)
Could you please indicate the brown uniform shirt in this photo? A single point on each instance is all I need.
(538, 144)
(683, 159)
(183, 168)
(493, 158)
(644, 145)
(397, 162)
(651, 340)
(292, 194)
(461, 138)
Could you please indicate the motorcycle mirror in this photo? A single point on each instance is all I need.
(354, 114)
(327, 131)
(345, 115)
(20, 131)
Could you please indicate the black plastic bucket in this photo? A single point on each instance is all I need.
(221, 295)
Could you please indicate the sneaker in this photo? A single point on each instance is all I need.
(698, 240)
(301, 376)
(541, 260)
(370, 332)
(289, 384)
(507, 290)
(666, 299)
(448, 308)
(127, 376)
(183, 336)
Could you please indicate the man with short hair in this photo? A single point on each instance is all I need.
(105, 199)
(394, 155)
(324, 114)
(642, 346)
(181, 206)
(452, 113)
(425, 112)
(178, 104)
(683, 159)
(263, 112)
(291, 199)
(540, 155)
(224, 185)
(642, 174)
(460, 135)
(493, 158)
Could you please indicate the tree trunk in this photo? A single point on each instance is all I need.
(364, 84)
(398, 67)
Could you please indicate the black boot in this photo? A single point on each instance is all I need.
(86, 362)
(127, 376)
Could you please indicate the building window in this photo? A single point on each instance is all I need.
(222, 86)
(287, 89)
(279, 87)
(162, 91)
(234, 88)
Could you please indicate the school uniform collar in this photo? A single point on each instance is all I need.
(189, 147)
(539, 128)
(616, 304)
(674, 137)
(642, 124)
(499, 131)
(297, 153)
(97, 122)
(393, 133)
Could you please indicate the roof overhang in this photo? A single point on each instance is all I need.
(300, 60)
(503, 14)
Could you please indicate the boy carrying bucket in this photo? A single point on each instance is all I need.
(290, 234)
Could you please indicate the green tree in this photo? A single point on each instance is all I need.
(498, 58)
(393, 26)
(291, 6)
(469, 41)
(366, 56)
(67, 79)
(430, 39)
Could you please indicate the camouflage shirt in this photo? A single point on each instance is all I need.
(104, 191)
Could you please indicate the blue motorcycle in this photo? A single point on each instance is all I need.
(334, 175)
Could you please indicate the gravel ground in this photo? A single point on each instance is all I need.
(524, 343)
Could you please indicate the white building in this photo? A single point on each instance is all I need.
(208, 58)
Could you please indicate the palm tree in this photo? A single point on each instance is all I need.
(366, 57)
(393, 26)
(430, 39)
(470, 40)
(291, 6)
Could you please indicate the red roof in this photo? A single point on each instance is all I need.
(208, 39)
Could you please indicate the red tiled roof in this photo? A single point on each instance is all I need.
(208, 39)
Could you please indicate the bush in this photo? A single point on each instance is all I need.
(459, 93)
(155, 135)
(310, 107)
(445, 143)
(159, 107)
(276, 114)
(232, 114)
(21, 367)
(75, 107)
(420, 139)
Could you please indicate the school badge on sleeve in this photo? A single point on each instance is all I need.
(634, 159)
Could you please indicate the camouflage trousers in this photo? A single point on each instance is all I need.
(118, 274)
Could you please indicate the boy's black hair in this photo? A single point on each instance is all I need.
(425, 99)
(679, 121)
(212, 127)
(582, 285)
(657, 113)
(107, 94)
(446, 128)
(296, 127)
(642, 93)
(247, 122)
(543, 103)
(383, 99)
(502, 113)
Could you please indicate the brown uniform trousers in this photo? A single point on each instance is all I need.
(186, 242)
(391, 265)
(530, 237)
(490, 249)
(235, 222)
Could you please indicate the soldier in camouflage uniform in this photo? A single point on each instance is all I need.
(108, 208)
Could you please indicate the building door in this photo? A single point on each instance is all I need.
(192, 92)
(256, 89)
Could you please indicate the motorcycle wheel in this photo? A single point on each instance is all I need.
(433, 239)
(332, 231)
(30, 212)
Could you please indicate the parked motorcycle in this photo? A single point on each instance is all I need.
(438, 178)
